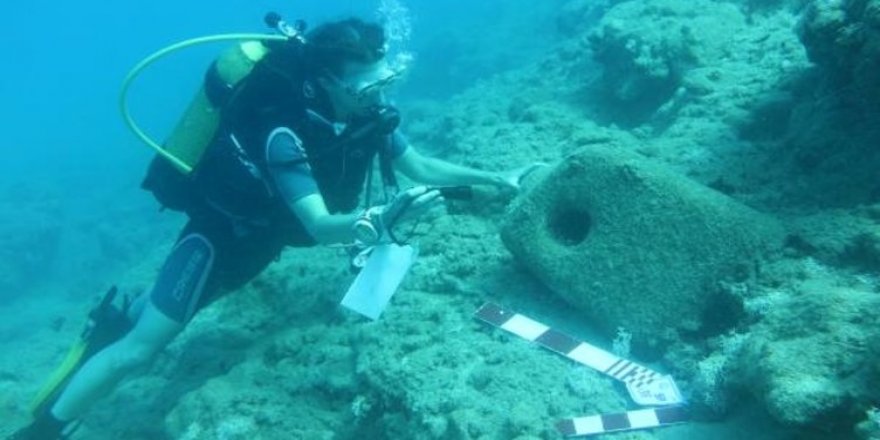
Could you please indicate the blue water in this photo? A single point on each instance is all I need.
(67, 151)
(67, 61)
(70, 58)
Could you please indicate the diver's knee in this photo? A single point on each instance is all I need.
(129, 354)
(137, 307)
(134, 361)
(152, 333)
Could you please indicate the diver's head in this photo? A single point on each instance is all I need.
(348, 60)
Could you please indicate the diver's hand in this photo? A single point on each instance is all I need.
(415, 204)
(512, 179)
(378, 224)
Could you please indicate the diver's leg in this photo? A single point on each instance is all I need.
(163, 314)
(170, 306)
(137, 306)
(102, 372)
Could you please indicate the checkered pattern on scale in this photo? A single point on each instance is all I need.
(628, 372)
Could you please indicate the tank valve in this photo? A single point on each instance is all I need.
(295, 30)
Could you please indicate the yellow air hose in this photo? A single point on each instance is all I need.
(146, 62)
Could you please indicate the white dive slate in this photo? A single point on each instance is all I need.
(379, 279)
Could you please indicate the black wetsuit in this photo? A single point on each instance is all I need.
(276, 145)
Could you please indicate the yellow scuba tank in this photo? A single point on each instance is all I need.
(197, 126)
(194, 131)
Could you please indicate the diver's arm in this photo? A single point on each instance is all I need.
(293, 178)
(324, 227)
(432, 171)
(289, 169)
(328, 228)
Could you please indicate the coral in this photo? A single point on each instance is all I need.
(714, 383)
(622, 343)
(869, 429)
(361, 406)
(708, 386)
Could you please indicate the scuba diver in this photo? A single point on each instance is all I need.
(300, 123)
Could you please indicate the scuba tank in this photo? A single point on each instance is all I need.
(170, 174)
(200, 121)
(192, 134)
(172, 181)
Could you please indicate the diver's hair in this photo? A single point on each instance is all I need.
(331, 45)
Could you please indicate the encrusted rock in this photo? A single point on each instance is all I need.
(637, 246)
(812, 359)
(647, 48)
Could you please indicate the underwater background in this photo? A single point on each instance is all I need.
(712, 210)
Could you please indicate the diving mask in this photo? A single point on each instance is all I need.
(370, 82)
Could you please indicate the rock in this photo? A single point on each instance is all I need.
(812, 359)
(843, 37)
(576, 16)
(634, 245)
(646, 48)
(837, 238)
(830, 148)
